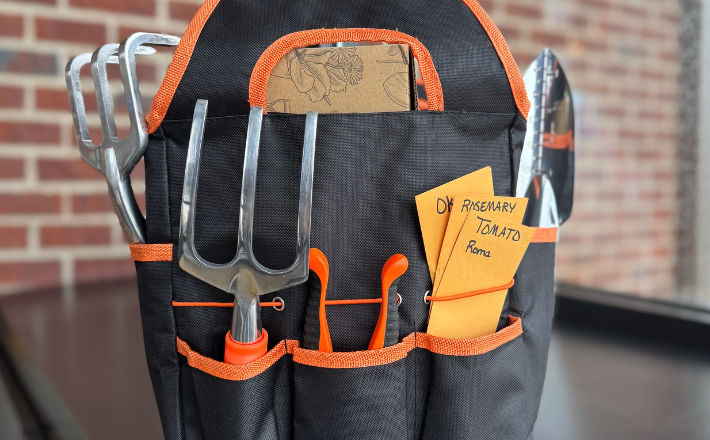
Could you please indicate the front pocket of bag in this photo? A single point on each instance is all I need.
(351, 395)
(475, 385)
(251, 401)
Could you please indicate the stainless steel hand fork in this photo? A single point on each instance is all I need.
(115, 158)
(244, 276)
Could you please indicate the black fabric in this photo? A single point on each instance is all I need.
(257, 409)
(471, 73)
(365, 403)
(368, 168)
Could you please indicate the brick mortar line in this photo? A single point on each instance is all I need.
(76, 253)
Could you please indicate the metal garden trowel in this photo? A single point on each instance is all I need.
(546, 175)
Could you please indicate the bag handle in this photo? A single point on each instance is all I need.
(268, 59)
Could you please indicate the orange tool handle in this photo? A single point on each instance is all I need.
(239, 353)
(316, 335)
(387, 330)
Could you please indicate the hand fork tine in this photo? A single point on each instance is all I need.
(244, 276)
(115, 158)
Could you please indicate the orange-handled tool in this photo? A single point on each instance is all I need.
(387, 329)
(316, 335)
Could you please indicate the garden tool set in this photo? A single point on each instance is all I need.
(361, 362)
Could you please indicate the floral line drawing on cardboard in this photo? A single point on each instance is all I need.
(318, 72)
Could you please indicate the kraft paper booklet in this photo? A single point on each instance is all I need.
(509, 208)
(434, 207)
(486, 255)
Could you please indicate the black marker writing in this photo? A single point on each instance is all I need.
(476, 251)
(443, 206)
(469, 205)
(487, 227)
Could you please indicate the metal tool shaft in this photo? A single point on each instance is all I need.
(244, 276)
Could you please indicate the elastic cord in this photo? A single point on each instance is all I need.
(469, 294)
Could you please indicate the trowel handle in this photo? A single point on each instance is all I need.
(240, 353)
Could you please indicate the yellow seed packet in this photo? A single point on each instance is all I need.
(486, 255)
(434, 207)
(509, 208)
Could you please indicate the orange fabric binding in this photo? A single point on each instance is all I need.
(234, 372)
(151, 252)
(433, 87)
(266, 62)
(517, 85)
(177, 68)
(355, 359)
(544, 235)
(471, 347)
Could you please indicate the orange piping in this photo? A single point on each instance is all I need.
(184, 51)
(151, 252)
(356, 359)
(177, 68)
(544, 235)
(517, 85)
(266, 62)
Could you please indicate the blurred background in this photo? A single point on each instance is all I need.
(642, 97)
(633, 66)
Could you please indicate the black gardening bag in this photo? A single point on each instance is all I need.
(368, 169)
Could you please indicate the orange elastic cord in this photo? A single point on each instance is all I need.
(282, 46)
(517, 85)
(469, 294)
(332, 302)
(151, 252)
(220, 304)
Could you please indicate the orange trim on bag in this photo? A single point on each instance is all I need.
(266, 62)
(177, 68)
(355, 359)
(471, 347)
(517, 85)
(234, 372)
(183, 53)
(151, 252)
(544, 235)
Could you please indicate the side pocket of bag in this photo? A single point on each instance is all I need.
(352, 395)
(474, 387)
(251, 401)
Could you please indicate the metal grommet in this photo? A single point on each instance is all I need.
(425, 295)
(283, 304)
(399, 300)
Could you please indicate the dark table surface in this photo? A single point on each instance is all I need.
(599, 385)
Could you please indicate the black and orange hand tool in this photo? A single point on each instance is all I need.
(387, 330)
(316, 335)
(315, 331)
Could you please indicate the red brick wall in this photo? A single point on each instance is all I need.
(622, 59)
(57, 225)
